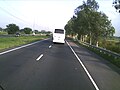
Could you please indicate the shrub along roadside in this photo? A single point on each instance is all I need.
(11, 42)
(112, 45)
(113, 60)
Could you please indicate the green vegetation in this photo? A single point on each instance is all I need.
(10, 42)
(88, 23)
(12, 28)
(27, 30)
(91, 26)
(23, 36)
(113, 60)
(3, 33)
(112, 45)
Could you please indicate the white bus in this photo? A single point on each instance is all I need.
(59, 36)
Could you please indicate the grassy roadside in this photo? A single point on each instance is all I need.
(113, 60)
(10, 42)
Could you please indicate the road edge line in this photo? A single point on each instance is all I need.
(21, 47)
(88, 74)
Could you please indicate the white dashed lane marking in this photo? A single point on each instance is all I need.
(42, 54)
(50, 46)
(39, 57)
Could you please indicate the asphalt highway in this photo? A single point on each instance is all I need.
(47, 66)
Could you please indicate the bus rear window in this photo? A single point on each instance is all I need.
(59, 31)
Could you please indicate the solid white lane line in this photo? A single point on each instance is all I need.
(20, 47)
(39, 57)
(50, 46)
(88, 74)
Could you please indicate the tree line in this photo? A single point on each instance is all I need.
(88, 24)
(13, 29)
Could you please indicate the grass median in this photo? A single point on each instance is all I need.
(11, 42)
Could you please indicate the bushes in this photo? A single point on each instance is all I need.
(113, 60)
(111, 45)
(3, 33)
(110, 58)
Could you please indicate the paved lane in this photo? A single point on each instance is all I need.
(48, 66)
(58, 69)
(63, 71)
(105, 74)
(16, 66)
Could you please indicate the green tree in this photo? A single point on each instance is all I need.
(36, 31)
(89, 22)
(69, 27)
(27, 30)
(12, 28)
(81, 25)
(102, 26)
(1, 29)
(84, 18)
(22, 31)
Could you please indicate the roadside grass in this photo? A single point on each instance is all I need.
(2, 32)
(11, 42)
(112, 45)
(113, 60)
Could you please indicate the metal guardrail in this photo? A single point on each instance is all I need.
(100, 49)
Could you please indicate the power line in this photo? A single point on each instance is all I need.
(7, 4)
(12, 15)
(6, 11)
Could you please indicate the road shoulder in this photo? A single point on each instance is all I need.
(103, 72)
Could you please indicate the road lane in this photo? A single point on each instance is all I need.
(58, 69)
(105, 74)
(11, 63)
(63, 71)
(84, 67)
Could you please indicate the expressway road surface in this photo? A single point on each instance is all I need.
(47, 66)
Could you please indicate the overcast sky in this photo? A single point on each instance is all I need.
(48, 14)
